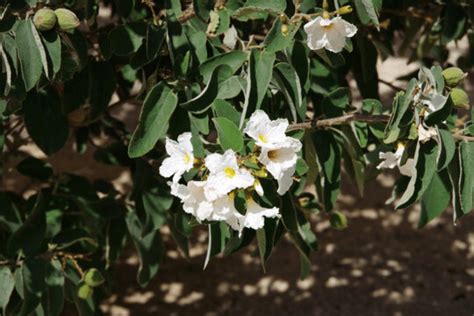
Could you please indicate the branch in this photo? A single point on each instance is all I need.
(346, 119)
(341, 120)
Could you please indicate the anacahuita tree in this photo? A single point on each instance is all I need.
(245, 104)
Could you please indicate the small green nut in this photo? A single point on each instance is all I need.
(460, 98)
(93, 278)
(44, 19)
(453, 76)
(84, 291)
(338, 220)
(67, 19)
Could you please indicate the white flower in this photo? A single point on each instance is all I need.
(181, 158)
(392, 160)
(224, 210)
(329, 33)
(264, 131)
(425, 134)
(193, 199)
(225, 175)
(428, 94)
(255, 216)
(280, 161)
(230, 37)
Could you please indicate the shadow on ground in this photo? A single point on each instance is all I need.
(380, 265)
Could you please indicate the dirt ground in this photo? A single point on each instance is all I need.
(380, 265)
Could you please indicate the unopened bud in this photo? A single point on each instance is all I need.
(44, 19)
(338, 220)
(67, 19)
(453, 76)
(284, 29)
(460, 98)
(283, 18)
(345, 10)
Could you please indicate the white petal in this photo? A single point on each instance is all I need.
(437, 102)
(390, 160)
(169, 167)
(184, 141)
(285, 180)
(407, 168)
(230, 37)
(336, 39)
(255, 215)
(349, 29)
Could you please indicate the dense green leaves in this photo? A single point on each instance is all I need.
(158, 107)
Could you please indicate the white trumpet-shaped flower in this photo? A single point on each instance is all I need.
(224, 210)
(181, 157)
(426, 133)
(225, 175)
(264, 131)
(193, 198)
(280, 161)
(254, 217)
(428, 94)
(331, 34)
(394, 159)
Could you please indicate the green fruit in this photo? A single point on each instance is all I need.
(93, 278)
(44, 19)
(84, 291)
(460, 98)
(338, 220)
(67, 19)
(453, 76)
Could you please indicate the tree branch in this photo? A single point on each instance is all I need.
(346, 119)
(341, 120)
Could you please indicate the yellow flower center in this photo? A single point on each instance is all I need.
(328, 27)
(229, 172)
(262, 138)
(272, 154)
(187, 158)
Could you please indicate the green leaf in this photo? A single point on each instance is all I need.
(230, 137)
(33, 273)
(289, 83)
(401, 104)
(150, 48)
(259, 75)
(9, 216)
(218, 234)
(53, 298)
(447, 148)
(29, 237)
(52, 43)
(422, 174)
(124, 7)
(126, 39)
(467, 176)
(454, 23)
(46, 125)
(204, 100)
(259, 9)
(28, 54)
(93, 278)
(288, 213)
(7, 284)
(227, 110)
(102, 86)
(366, 10)
(329, 157)
(436, 198)
(233, 59)
(335, 102)
(35, 168)
(276, 41)
(157, 109)
(150, 249)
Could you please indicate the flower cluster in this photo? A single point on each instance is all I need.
(212, 197)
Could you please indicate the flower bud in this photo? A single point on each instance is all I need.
(453, 76)
(459, 98)
(345, 10)
(284, 29)
(93, 278)
(67, 19)
(44, 19)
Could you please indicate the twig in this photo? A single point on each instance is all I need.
(341, 120)
(394, 87)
